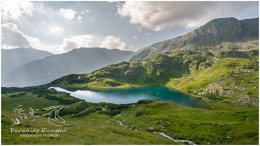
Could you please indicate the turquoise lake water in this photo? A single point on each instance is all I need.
(133, 95)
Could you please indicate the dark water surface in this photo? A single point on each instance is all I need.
(133, 95)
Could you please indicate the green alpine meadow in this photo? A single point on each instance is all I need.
(199, 88)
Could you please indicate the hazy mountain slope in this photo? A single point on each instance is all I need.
(154, 71)
(12, 58)
(212, 33)
(81, 60)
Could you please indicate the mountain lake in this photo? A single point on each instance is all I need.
(133, 95)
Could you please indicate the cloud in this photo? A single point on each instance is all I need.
(86, 11)
(68, 13)
(135, 37)
(16, 9)
(160, 15)
(68, 44)
(12, 37)
(80, 17)
(112, 42)
(55, 30)
(79, 41)
(109, 42)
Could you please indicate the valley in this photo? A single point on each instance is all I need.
(208, 65)
(203, 74)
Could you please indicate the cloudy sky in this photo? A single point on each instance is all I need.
(59, 27)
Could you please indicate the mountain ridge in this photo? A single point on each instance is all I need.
(12, 58)
(81, 60)
(214, 32)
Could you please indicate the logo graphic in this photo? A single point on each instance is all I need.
(28, 113)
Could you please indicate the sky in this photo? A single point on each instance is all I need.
(59, 27)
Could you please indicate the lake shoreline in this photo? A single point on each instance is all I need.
(133, 95)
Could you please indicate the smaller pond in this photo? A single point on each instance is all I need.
(133, 95)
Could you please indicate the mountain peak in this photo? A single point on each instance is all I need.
(44, 70)
(218, 30)
(98, 49)
(214, 32)
(223, 19)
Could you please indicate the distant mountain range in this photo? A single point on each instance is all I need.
(214, 32)
(44, 70)
(86, 60)
(13, 58)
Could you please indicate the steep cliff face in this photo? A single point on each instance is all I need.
(214, 32)
(217, 30)
(250, 28)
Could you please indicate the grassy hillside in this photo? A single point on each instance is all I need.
(88, 123)
(223, 73)
(229, 80)
(155, 71)
(103, 123)
(225, 76)
(220, 125)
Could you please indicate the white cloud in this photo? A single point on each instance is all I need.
(135, 37)
(68, 13)
(12, 37)
(87, 11)
(79, 41)
(112, 42)
(159, 15)
(112, 1)
(69, 44)
(55, 30)
(80, 17)
(16, 9)
(109, 42)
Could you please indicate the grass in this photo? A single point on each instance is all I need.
(27, 99)
(91, 129)
(94, 128)
(203, 74)
(201, 78)
(232, 95)
(226, 77)
(104, 83)
(154, 71)
(221, 124)
(225, 125)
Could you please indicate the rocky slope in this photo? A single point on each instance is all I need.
(214, 32)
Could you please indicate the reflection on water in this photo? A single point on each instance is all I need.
(132, 95)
